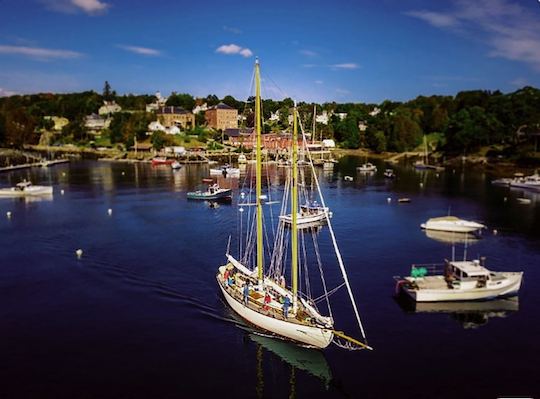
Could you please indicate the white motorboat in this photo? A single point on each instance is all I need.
(458, 281)
(24, 189)
(309, 215)
(226, 171)
(531, 182)
(254, 286)
(176, 165)
(452, 224)
(389, 174)
(367, 167)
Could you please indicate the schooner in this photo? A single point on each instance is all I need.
(260, 296)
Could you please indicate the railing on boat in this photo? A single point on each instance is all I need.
(427, 269)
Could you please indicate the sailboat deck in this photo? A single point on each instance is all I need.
(273, 309)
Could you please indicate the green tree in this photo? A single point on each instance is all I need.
(183, 100)
(107, 93)
(158, 140)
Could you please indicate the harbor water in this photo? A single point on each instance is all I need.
(139, 313)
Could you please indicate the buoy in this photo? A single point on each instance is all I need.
(495, 231)
(62, 192)
(79, 253)
(242, 194)
(389, 200)
(421, 184)
(63, 173)
(109, 211)
(437, 175)
(505, 199)
(8, 214)
(123, 173)
(241, 210)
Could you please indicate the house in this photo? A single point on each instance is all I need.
(375, 111)
(323, 118)
(160, 102)
(59, 122)
(109, 107)
(155, 126)
(341, 115)
(176, 150)
(175, 116)
(274, 116)
(328, 143)
(221, 117)
(200, 108)
(362, 126)
(141, 147)
(96, 123)
(172, 130)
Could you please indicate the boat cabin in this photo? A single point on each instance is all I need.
(23, 185)
(466, 273)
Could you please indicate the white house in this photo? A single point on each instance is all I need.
(375, 111)
(160, 102)
(172, 130)
(200, 108)
(155, 126)
(109, 107)
(328, 143)
(274, 116)
(362, 126)
(176, 150)
(96, 123)
(341, 115)
(323, 118)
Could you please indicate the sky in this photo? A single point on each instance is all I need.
(340, 50)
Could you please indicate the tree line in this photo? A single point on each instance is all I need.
(462, 123)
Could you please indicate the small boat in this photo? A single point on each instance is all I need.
(528, 182)
(458, 281)
(453, 224)
(161, 161)
(226, 171)
(214, 192)
(367, 168)
(309, 215)
(176, 165)
(404, 200)
(348, 178)
(389, 174)
(242, 158)
(505, 181)
(524, 201)
(25, 188)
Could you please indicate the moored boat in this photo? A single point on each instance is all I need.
(176, 165)
(226, 171)
(25, 188)
(367, 167)
(531, 182)
(458, 281)
(214, 192)
(452, 224)
(161, 161)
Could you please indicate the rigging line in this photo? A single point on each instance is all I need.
(319, 263)
(305, 264)
(334, 242)
(277, 87)
(331, 292)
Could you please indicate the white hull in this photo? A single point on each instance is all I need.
(27, 192)
(456, 226)
(305, 220)
(311, 336)
(506, 287)
(231, 172)
(528, 186)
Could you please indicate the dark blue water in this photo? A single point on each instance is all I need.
(140, 315)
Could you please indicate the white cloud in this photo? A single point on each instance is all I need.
(6, 93)
(508, 28)
(347, 65)
(91, 7)
(319, 82)
(342, 91)
(141, 50)
(230, 49)
(309, 53)
(38, 52)
(437, 19)
(231, 29)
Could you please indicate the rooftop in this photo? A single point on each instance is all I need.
(172, 110)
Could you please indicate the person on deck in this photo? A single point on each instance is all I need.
(267, 300)
(226, 275)
(246, 293)
(286, 304)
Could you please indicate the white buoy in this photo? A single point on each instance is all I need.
(79, 253)
(495, 231)
(242, 194)
(63, 173)
(109, 211)
(123, 173)
(389, 200)
(8, 214)
(61, 192)
(505, 199)
(421, 184)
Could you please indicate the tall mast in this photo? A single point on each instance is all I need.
(294, 211)
(258, 190)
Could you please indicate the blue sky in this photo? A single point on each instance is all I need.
(314, 50)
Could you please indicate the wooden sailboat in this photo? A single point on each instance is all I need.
(261, 297)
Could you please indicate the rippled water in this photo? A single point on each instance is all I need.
(140, 315)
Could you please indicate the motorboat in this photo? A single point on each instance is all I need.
(531, 182)
(309, 215)
(226, 171)
(24, 189)
(367, 168)
(451, 237)
(389, 174)
(458, 281)
(452, 224)
(214, 192)
(176, 165)
(161, 161)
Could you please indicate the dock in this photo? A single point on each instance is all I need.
(33, 165)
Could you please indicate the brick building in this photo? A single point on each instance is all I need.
(221, 117)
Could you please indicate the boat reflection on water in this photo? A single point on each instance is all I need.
(468, 314)
(447, 237)
(309, 360)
